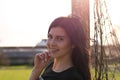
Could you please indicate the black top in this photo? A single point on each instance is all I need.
(69, 74)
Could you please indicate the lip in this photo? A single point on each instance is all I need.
(53, 50)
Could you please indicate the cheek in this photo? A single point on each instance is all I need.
(66, 46)
(47, 44)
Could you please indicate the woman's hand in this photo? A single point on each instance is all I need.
(40, 61)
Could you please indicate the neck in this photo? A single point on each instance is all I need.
(62, 64)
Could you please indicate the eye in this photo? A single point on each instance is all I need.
(49, 36)
(59, 39)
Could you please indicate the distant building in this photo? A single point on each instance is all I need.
(20, 55)
(42, 43)
(23, 55)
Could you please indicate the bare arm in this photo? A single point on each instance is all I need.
(40, 61)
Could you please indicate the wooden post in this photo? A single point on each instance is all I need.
(81, 8)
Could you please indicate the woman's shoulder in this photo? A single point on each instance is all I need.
(68, 74)
(72, 74)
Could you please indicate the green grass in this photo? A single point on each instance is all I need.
(110, 75)
(15, 73)
(23, 73)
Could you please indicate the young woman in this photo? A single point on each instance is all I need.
(67, 57)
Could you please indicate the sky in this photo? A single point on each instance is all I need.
(114, 14)
(25, 22)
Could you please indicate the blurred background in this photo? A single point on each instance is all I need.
(24, 25)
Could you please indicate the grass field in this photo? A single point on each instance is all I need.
(23, 73)
(15, 73)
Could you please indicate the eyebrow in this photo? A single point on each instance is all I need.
(56, 36)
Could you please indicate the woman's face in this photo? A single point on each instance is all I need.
(59, 44)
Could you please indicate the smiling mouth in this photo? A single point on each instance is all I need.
(54, 50)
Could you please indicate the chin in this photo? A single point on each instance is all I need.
(54, 56)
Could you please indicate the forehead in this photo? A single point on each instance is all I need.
(57, 31)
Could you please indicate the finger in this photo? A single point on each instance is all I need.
(48, 55)
(38, 56)
(42, 57)
(45, 57)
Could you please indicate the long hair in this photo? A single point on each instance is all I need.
(77, 35)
